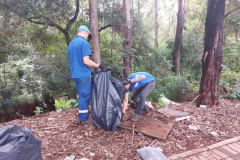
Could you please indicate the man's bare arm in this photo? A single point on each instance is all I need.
(138, 78)
(125, 102)
(89, 62)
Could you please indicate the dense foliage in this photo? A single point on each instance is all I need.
(33, 56)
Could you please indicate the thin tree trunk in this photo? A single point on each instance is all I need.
(236, 34)
(138, 9)
(93, 4)
(127, 44)
(4, 71)
(156, 23)
(139, 19)
(179, 37)
(82, 8)
(212, 54)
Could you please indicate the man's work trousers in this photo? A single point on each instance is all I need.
(139, 95)
(83, 86)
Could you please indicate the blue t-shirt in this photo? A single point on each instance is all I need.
(149, 78)
(77, 49)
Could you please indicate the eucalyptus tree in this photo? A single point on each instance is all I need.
(94, 30)
(156, 23)
(212, 54)
(179, 37)
(127, 44)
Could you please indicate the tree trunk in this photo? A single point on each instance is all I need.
(212, 54)
(93, 4)
(82, 8)
(127, 44)
(179, 37)
(139, 17)
(156, 23)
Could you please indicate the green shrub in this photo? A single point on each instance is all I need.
(38, 111)
(65, 104)
(230, 81)
(160, 102)
(176, 88)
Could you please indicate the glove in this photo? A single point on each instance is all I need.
(103, 68)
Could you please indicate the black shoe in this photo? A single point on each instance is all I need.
(136, 117)
(146, 109)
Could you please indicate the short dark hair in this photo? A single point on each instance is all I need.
(125, 80)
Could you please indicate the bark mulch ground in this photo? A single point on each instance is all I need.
(62, 136)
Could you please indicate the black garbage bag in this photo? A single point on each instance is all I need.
(17, 143)
(107, 93)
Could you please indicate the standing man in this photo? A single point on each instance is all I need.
(79, 54)
(142, 83)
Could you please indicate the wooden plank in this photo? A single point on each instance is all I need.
(150, 127)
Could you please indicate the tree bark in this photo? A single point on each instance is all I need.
(212, 54)
(94, 31)
(127, 44)
(179, 37)
(156, 23)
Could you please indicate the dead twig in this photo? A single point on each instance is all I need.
(140, 143)
(133, 133)
(193, 100)
(120, 72)
(21, 115)
(153, 142)
(117, 154)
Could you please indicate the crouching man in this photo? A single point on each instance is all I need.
(141, 84)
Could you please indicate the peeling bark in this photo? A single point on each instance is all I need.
(212, 54)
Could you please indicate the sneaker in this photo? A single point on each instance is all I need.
(136, 117)
(146, 109)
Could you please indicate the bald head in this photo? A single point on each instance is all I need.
(83, 33)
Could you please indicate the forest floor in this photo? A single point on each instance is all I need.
(62, 136)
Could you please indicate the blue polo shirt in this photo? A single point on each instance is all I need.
(149, 78)
(77, 49)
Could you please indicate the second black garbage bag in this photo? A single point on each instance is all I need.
(107, 93)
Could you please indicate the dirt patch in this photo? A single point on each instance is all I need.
(19, 111)
(61, 136)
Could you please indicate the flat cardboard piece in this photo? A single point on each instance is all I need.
(149, 126)
(172, 113)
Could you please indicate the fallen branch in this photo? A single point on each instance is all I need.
(140, 143)
(117, 154)
(66, 153)
(133, 133)
(153, 142)
(193, 100)
(21, 115)
(51, 128)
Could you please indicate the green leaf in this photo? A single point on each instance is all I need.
(68, 102)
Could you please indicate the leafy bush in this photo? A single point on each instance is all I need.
(65, 104)
(6, 99)
(38, 110)
(230, 76)
(230, 81)
(160, 102)
(176, 88)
